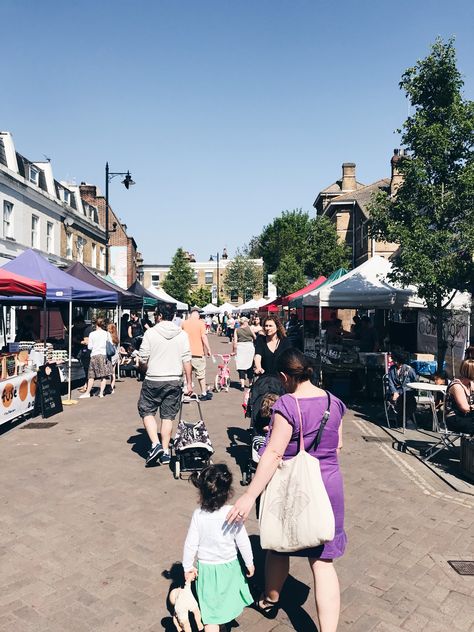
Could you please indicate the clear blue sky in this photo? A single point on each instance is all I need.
(226, 112)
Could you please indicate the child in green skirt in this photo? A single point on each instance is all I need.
(221, 587)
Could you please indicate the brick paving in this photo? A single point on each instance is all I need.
(87, 532)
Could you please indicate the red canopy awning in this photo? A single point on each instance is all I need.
(12, 284)
(304, 290)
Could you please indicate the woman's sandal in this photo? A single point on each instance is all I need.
(267, 608)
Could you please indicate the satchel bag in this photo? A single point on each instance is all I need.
(295, 510)
(110, 349)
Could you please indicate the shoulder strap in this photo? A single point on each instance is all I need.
(324, 420)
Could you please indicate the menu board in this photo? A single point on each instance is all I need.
(17, 396)
(48, 393)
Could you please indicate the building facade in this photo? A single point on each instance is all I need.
(41, 213)
(345, 202)
(209, 274)
(124, 257)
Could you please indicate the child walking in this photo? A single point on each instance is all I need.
(222, 589)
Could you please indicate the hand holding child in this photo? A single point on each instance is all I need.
(191, 575)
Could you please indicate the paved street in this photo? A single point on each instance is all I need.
(87, 532)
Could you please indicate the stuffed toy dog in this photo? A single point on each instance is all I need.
(183, 601)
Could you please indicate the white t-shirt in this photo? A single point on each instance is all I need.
(97, 340)
(214, 541)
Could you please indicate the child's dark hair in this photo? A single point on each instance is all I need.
(442, 375)
(214, 483)
(295, 365)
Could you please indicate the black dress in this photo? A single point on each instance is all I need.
(269, 358)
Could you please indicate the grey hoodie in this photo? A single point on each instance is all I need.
(166, 347)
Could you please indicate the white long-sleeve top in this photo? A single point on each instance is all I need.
(214, 541)
(97, 340)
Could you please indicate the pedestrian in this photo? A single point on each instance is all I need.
(100, 366)
(215, 323)
(270, 346)
(245, 350)
(208, 323)
(230, 327)
(399, 375)
(166, 352)
(460, 400)
(195, 328)
(256, 325)
(135, 330)
(282, 443)
(225, 318)
(221, 587)
(85, 354)
(112, 329)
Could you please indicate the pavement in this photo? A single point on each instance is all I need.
(88, 536)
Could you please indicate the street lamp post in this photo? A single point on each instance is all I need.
(211, 258)
(127, 183)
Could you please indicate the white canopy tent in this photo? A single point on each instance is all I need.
(182, 307)
(246, 307)
(210, 309)
(226, 307)
(367, 286)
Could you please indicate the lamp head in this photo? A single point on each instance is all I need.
(127, 181)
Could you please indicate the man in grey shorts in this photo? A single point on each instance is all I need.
(165, 348)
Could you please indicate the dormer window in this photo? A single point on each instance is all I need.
(66, 196)
(34, 175)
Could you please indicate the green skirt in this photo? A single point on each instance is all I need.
(222, 591)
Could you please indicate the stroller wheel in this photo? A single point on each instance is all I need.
(177, 470)
(245, 479)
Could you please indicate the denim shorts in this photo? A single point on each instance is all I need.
(165, 396)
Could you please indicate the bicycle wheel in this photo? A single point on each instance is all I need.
(227, 384)
(217, 384)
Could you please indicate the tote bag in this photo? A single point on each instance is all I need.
(295, 510)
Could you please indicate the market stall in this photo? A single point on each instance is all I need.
(350, 357)
(150, 301)
(17, 376)
(164, 296)
(61, 288)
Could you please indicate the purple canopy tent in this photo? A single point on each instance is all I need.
(125, 299)
(60, 288)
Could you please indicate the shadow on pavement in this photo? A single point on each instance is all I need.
(293, 596)
(140, 443)
(240, 452)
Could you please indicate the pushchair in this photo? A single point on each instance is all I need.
(192, 445)
(260, 388)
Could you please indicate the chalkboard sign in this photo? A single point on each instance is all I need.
(48, 391)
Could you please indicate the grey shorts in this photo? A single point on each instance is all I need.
(165, 396)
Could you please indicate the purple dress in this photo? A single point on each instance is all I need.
(312, 410)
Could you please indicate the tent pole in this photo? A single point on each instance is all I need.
(119, 318)
(69, 401)
(45, 322)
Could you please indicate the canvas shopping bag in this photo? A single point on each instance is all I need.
(295, 510)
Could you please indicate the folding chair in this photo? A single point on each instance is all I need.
(447, 438)
(389, 408)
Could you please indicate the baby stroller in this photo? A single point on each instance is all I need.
(260, 389)
(192, 445)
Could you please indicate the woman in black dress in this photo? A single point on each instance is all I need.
(270, 346)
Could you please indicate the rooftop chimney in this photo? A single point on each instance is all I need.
(349, 176)
(397, 177)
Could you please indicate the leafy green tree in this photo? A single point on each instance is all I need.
(431, 216)
(243, 276)
(179, 279)
(326, 251)
(200, 297)
(288, 234)
(289, 276)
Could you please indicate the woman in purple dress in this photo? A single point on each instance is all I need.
(282, 442)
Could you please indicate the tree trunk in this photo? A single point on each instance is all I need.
(440, 336)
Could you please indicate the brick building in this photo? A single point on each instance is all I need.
(345, 203)
(124, 258)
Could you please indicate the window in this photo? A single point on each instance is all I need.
(234, 295)
(208, 278)
(33, 175)
(66, 196)
(102, 258)
(49, 237)
(195, 278)
(94, 256)
(81, 242)
(155, 280)
(69, 246)
(8, 219)
(34, 231)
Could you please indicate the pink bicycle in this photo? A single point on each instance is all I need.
(222, 381)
